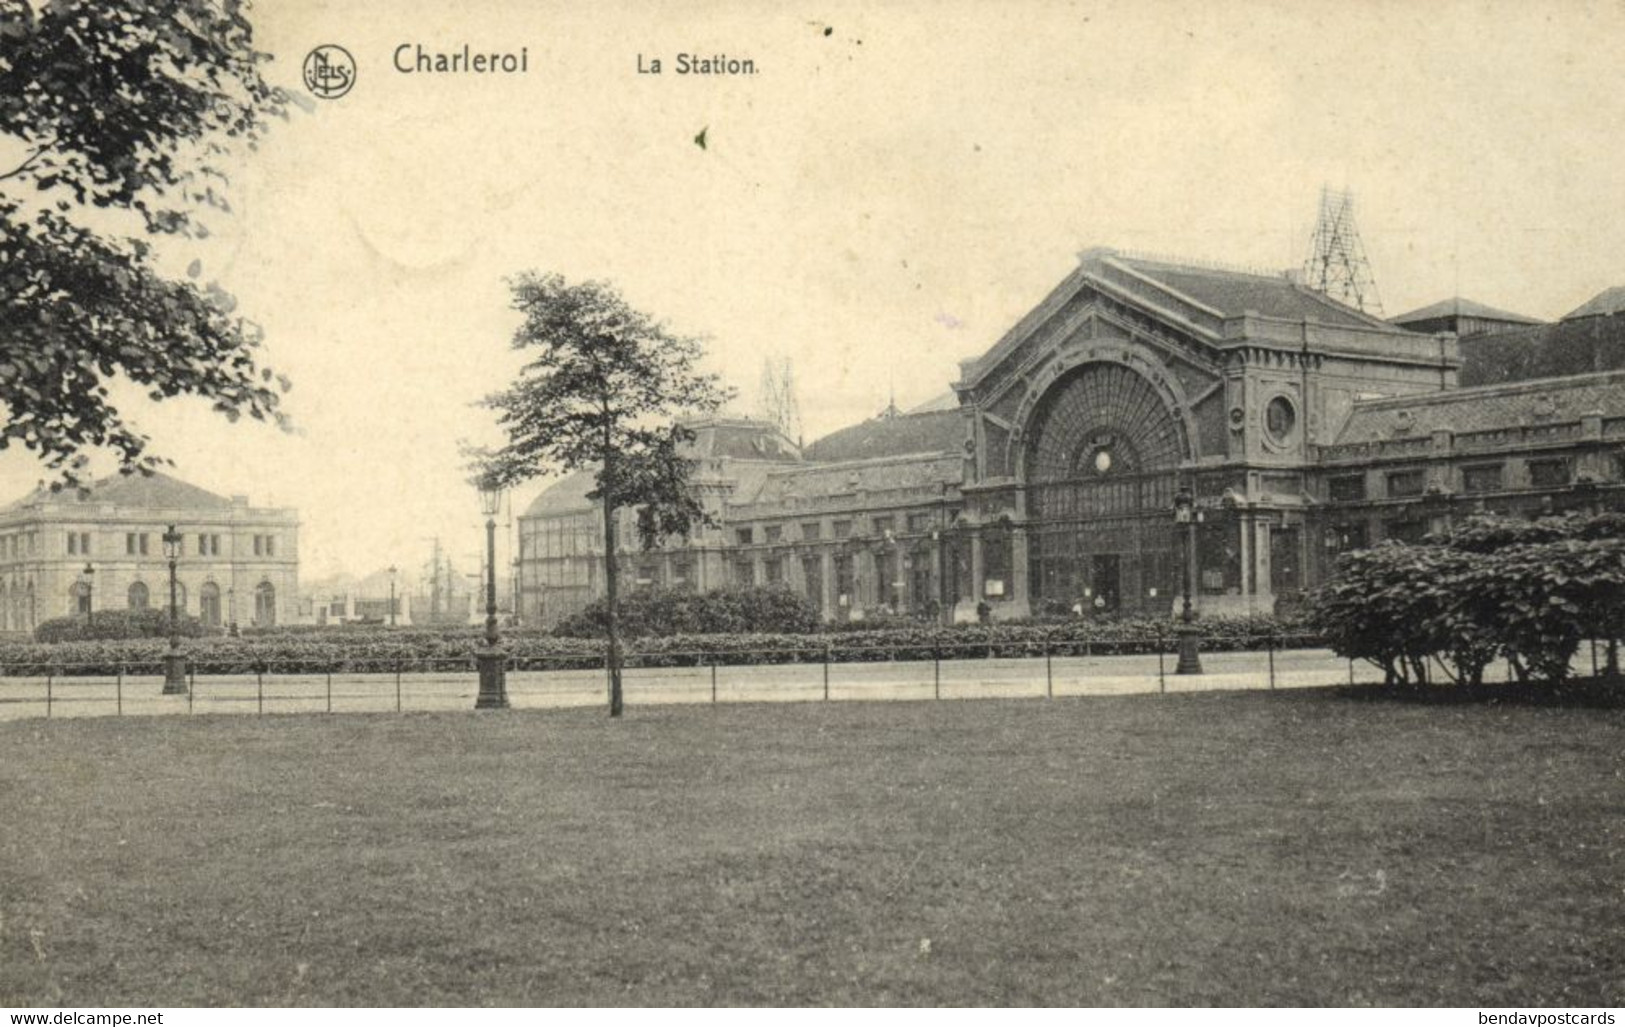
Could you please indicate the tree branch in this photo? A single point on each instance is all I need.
(19, 169)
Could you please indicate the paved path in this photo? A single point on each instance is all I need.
(140, 695)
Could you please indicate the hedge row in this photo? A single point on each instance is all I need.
(425, 650)
(766, 609)
(118, 624)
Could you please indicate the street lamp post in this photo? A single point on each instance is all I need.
(392, 596)
(89, 575)
(944, 610)
(1186, 516)
(491, 659)
(174, 659)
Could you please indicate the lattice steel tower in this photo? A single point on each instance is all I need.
(1337, 265)
(779, 405)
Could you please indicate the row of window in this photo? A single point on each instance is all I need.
(17, 607)
(1341, 538)
(560, 536)
(901, 582)
(135, 543)
(139, 597)
(14, 547)
(884, 587)
(1485, 477)
(139, 543)
(813, 531)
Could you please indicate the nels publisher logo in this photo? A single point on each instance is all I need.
(329, 71)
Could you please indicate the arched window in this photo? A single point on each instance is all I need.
(264, 605)
(81, 597)
(138, 596)
(209, 604)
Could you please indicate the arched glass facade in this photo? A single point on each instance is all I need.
(1102, 451)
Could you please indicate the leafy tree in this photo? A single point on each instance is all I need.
(123, 113)
(1398, 606)
(1528, 591)
(1541, 587)
(1542, 600)
(603, 389)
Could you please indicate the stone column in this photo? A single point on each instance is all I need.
(937, 579)
(1254, 567)
(978, 572)
(863, 569)
(1018, 602)
(794, 579)
(826, 565)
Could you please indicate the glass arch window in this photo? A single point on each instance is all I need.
(1101, 408)
(209, 604)
(265, 605)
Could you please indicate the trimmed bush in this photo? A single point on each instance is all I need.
(775, 610)
(112, 624)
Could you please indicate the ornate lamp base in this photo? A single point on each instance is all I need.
(174, 673)
(1190, 659)
(493, 680)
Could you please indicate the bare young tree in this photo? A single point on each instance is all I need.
(604, 389)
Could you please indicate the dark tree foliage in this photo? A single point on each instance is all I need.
(603, 389)
(120, 107)
(1529, 592)
(1488, 534)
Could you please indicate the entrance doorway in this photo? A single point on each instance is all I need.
(1285, 577)
(1106, 581)
(921, 596)
(265, 605)
(209, 604)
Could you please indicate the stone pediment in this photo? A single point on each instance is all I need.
(1087, 312)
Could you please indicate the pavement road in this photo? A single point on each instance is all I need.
(141, 695)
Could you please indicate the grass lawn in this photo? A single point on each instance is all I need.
(1241, 848)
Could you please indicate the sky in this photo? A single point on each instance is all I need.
(895, 186)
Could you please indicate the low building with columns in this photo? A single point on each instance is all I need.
(1301, 426)
(101, 548)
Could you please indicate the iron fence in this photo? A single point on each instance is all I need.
(824, 670)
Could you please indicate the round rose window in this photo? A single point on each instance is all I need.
(1280, 418)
